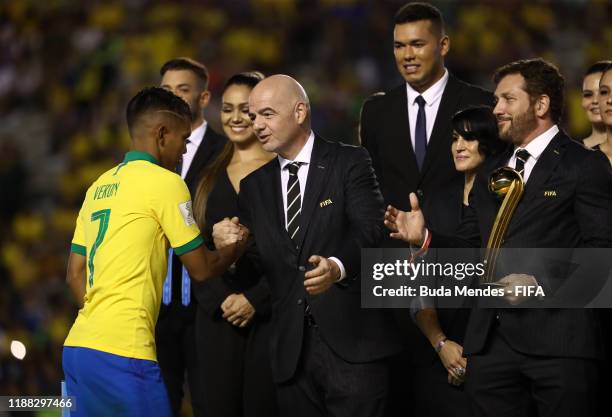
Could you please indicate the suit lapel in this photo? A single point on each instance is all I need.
(438, 140)
(397, 131)
(203, 155)
(542, 170)
(318, 171)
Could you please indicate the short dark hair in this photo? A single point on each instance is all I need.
(479, 123)
(155, 98)
(413, 12)
(249, 78)
(541, 78)
(600, 66)
(189, 64)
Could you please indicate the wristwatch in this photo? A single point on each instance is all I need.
(439, 345)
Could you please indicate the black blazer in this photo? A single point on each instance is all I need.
(343, 176)
(385, 133)
(211, 146)
(579, 215)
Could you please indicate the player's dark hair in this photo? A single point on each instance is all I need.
(151, 99)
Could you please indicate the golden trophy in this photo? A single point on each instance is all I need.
(506, 183)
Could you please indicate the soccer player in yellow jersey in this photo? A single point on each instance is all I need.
(118, 260)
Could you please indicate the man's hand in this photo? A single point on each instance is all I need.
(228, 232)
(407, 226)
(237, 310)
(512, 282)
(324, 274)
(452, 358)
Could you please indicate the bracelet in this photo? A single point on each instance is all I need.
(440, 344)
(423, 249)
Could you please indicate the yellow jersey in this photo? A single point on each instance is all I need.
(130, 216)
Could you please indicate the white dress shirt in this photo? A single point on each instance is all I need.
(433, 97)
(535, 149)
(194, 141)
(304, 158)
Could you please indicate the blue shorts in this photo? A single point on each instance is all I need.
(110, 385)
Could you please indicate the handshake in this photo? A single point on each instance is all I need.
(324, 273)
(229, 232)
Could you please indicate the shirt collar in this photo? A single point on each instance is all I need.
(432, 94)
(303, 156)
(537, 145)
(197, 134)
(139, 156)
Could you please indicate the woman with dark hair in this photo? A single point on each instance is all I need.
(475, 137)
(233, 309)
(590, 103)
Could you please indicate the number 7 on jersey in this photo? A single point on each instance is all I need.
(103, 216)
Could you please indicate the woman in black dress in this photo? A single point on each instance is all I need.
(442, 366)
(233, 309)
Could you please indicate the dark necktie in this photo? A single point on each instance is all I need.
(420, 133)
(294, 200)
(521, 157)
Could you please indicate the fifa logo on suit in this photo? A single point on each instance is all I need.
(325, 203)
(551, 193)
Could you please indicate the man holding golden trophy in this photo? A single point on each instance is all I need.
(546, 191)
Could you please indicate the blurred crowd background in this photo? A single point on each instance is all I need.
(67, 69)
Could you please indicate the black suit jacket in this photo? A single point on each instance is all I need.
(343, 176)
(385, 133)
(579, 215)
(211, 146)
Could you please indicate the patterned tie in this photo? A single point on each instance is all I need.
(521, 157)
(294, 200)
(420, 133)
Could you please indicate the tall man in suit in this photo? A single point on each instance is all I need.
(543, 356)
(175, 332)
(408, 133)
(408, 130)
(311, 210)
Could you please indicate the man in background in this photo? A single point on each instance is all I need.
(175, 333)
(408, 133)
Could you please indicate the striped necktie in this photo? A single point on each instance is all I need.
(294, 200)
(521, 157)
